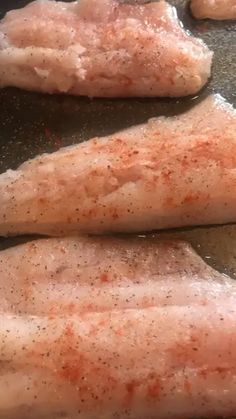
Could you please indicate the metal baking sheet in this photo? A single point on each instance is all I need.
(33, 123)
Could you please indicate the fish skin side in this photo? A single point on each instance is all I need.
(170, 172)
(162, 360)
(101, 48)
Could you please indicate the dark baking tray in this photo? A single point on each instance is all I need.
(32, 123)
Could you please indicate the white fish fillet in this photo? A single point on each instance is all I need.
(170, 172)
(70, 276)
(214, 9)
(101, 48)
(167, 358)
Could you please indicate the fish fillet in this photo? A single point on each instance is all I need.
(170, 172)
(214, 9)
(101, 48)
(170, 356)
(70, 276)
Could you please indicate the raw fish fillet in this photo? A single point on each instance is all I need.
(101, 48)
(70, 276)
(214, 9)
(170, 172)
(170, 356)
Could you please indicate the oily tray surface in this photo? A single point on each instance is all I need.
(32, 124)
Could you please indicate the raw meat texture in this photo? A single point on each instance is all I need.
(214, 9)
(101, 48)
(170, 172)
(170, 356)
(69, 276)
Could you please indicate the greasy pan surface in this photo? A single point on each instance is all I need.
(31, 123)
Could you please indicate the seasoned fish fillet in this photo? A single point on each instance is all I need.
(170, 172)
(214, 9)
(101, 48)
(82, 275)
(136, 357)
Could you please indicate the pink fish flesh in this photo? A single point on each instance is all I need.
(169, 172)
(101, 48)
(214, 9)
(156, 342)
